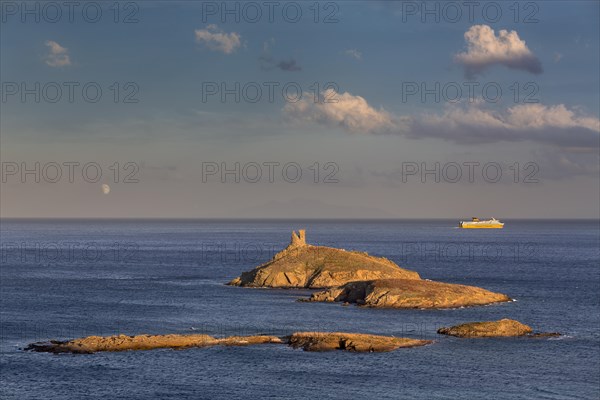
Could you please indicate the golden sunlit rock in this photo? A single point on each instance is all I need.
(407, 293)
(302, 265)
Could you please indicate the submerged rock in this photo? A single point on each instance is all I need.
(406, 293)
(302, 265)
(544, 334)
(355, 342)
(502, 328)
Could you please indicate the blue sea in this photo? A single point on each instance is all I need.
(62, 279)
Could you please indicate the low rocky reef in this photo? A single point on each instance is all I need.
(302, 265)
(405, 293)
(308, 341)
(501, 328)
(93, 344)
(356, 342)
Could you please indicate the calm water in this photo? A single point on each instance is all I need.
(65, 279)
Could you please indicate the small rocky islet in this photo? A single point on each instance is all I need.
(501, 328)
(345, 276)
(357, 277)
(302, 265)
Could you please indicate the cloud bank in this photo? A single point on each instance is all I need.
(485, 49)
(555, 125)
(58, 56)
(217, 40)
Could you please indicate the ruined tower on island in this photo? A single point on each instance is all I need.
(298, 239)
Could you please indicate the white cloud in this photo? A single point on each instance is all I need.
(465, 124)
(554, 125)
(58, 56)
(485, 49)
(354, 54)
(215, 39)
(349, 112)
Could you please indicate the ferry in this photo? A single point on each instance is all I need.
(476, 223)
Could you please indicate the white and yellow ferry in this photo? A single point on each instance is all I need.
(476, 223)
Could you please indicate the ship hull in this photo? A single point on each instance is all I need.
(467, 225)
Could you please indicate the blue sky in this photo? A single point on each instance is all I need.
(371, 53)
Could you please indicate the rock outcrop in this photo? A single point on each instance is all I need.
(93, 344)
(355, 342)
(309, 341)
(302, 265)
(407, 293)
(502, 328)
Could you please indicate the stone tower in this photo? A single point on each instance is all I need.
(298, 239)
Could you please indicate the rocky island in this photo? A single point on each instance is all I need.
(308, 341)
(357, 277)
(501, 328)
(302, 265)
(405, 293)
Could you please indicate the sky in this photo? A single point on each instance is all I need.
(343, 109)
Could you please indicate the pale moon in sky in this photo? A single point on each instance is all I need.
(105, 188)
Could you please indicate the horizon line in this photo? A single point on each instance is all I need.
(275, 219)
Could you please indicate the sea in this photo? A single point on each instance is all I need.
(63, 279)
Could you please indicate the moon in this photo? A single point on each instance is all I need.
(105, 188)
